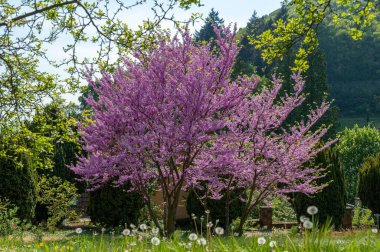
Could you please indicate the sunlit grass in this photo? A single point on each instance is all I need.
(88, 240)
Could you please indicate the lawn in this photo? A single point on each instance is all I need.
(109, 240)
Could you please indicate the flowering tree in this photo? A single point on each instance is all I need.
(259, 154)
(172, 118)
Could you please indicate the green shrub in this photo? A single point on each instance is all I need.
(54, 201)
(216, 207)
(282, 210)
(362, 217)
(369, 183)
(115, 206)
(9, 222)
(18, 184)
(331, 200)
(355, 146)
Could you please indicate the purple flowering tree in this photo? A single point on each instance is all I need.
(258, 154)
(171, 118)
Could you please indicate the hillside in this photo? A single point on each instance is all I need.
(352, 67)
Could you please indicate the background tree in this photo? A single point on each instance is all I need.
(355, 146)
(56, 182)
(207, 33)
(19, 180)
(331, 200)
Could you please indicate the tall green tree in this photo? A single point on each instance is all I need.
(206, 33)
(333, 192)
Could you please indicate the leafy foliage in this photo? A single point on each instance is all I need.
(369, 183)
(115, 206)
(355, 146)
(331, 201)
(29, 28)
(56, 195)
(56, 184)
(302, 24)
(9, 222)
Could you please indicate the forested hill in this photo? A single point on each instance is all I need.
(352, 67)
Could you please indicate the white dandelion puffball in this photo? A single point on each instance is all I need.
(78, 230)
(303, 218)
(143, 227)
(103, 230)
(209, 225)
(375, 230)
(155, 230)
(312, 210)
(126, 232)
(202, 241)
(155, 241)
(308, 224)
(219, 230)
(193, 237)
(132, 226)
(261, 241)
(272, 244)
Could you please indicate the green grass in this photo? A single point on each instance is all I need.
(316, 240)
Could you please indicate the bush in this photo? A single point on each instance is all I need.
(54, 201)
(216, 207)
(362, 217)
(115, 206)
(282, 210)
(18, 184)
(369, 184)
(9, 222)
(355, 146)
(331, 200)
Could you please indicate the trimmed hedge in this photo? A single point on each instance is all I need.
(331, 201)
(369, 183)
(115, 206)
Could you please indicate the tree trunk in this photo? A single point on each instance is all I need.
(227, 212)
(227, 218)
(243, 219)
(170, 221)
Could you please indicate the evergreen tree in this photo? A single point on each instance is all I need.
(334, 192)
(206, 33)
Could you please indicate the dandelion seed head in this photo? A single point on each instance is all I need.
(312, 210)
(219, 230)
(261, 241)
(193, 237)
(308, 224)
(155, 241)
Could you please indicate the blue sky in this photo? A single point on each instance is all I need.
(237, 11)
